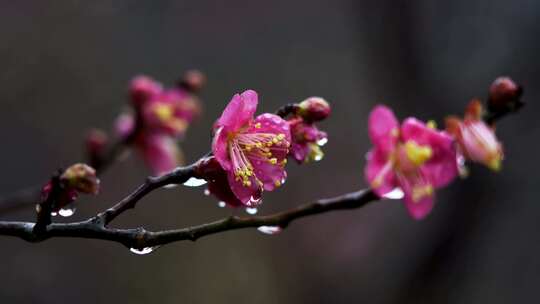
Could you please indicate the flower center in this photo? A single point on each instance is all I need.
(252, 149)
(416, 153)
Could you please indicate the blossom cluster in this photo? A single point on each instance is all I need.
(250, 153)
(159, 117)
(415, 158)
(412, 159)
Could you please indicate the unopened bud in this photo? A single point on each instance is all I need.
(82, 178)
(314, 109)
(142, 88)
(96, 141)
(504, 95)
(193, 81)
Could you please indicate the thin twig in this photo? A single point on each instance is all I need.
(140, 238)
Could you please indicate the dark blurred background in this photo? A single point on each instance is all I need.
(65, 66)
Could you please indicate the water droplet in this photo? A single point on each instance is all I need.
(283, 180)
(145, 250)
(318, 157)
(194, 182)
(322, 141)
(255, 200)
(206, 192)
(54, 213)
(66, 212)
(396, 194)
(270, 229)
(170, 186)
(252, 211)
(222, 204)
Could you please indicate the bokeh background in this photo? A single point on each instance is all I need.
(65, 66)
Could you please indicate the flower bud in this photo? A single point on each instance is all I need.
(142, 88)
(96, 142)
(193, 81)
(314, 109)
(82, 178)
(504, 95)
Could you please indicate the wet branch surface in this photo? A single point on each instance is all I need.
(96, 227)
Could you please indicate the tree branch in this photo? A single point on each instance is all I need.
(140, 238)
(31, 195)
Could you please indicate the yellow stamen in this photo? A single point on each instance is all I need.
(421, 192)
(417, 154)
(164, 112)
(495, 164)
(258, 125)
(432, 124)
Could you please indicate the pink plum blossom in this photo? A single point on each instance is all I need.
(252, 151)
(412, 157)
(306, 140)
(160, 152)
(159, 117)
(170, 111)
(476, 140)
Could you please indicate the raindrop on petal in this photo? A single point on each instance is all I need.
(251, 210)
(194, 182)
(255, 200)
(396, 194)
(317, 157)
(270, 229)
(322, 141)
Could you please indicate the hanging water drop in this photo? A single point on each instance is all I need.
(143, 251)
(206, 192)
(270, 229)
(222, 204)
(318, 157)
(66, 212)
(255, 200)
(194, 182)
(396, 194)
(170, 186)
(251, 211)
(322, 141)
(54, 213)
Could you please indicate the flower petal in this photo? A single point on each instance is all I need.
(247, 195)
(219, 148)
(419, 193)
(379, 172)
(270, 171)
(161, 153)
(219, 187)
(383, 128)
(239, 111)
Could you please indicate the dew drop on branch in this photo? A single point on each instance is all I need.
(270, 230)
(143, 251)
(322, 141)
(66, 212)
(194, 182)
(396, 194)
(251, 211)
